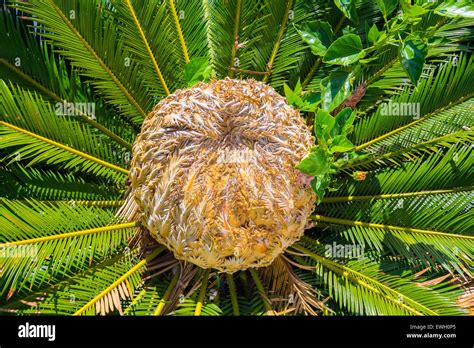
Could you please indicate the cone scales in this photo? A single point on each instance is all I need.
(213, 174)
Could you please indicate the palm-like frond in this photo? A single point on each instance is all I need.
(30, 122)
(74, 294)
(90, 42)
(447, 169)
(64, 177)
(91, 237)
(442, 101)
(362, 288)
(20, 182)
(29, 62)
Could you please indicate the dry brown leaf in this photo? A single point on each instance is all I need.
(97, 307)
(116, 300)
(102, 306)
(121, 291)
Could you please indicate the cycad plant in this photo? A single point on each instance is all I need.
(236, 157)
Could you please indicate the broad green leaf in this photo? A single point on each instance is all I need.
(291, 96)
(348, 8)
(319, 185)
(344, 120)
(340, 144)
(307, 102)
(387, 6)
(198, 69)
(345, 50)
(298, 88)
(335, 89)
(323, 124)
(312, 97)
(410, 10)
(315, 163)
(412, 55)
(318, 35)
(456, 9)
(373, 34)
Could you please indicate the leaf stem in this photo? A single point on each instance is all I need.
(236, 36)
(167, 293)
(387, 227)
(233, 294)
(180, 32)
(70, 234)
(276, 47)
(202, 292)
(393, 195)
(147, 47)
(66, 148)
(261, 289)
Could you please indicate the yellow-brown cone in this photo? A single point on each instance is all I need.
(213, 174)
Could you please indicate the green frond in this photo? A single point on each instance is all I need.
(444, 211)
(442, 101)
(90, 41)
(398, 157)
(69, 296)
(232, 28)
(361, 288)
(76, 237)
(146, 300)
(189, 27)
(31, 112)
(441, 170)
(30, 122)
(129, 279)
(282, 30)
(28, 62)
(431, 247)
(21, 182)
(161, 60)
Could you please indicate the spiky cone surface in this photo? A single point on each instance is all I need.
(213, 174)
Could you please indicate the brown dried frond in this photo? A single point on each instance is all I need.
(352, 100)
(295, 292)
(187, 273)
(213, 174)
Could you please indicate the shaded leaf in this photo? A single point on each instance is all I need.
(315, 163)
(198, 69)
(345, 50)
(412, 55)
(318, 35)
(335, 89)
(456, 9)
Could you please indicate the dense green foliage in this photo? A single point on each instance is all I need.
(387, 87)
